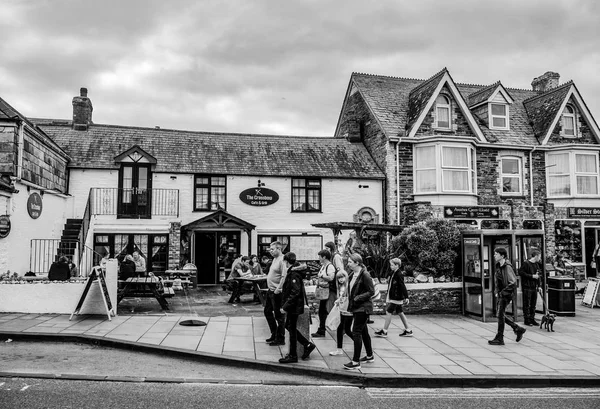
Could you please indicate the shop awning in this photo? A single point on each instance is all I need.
(219, 220)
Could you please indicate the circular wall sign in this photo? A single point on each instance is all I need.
(259, 196)
(4, 226)
(34, 205)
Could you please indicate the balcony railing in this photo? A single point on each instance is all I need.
(134, 203)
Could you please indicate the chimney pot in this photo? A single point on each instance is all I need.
(545, 82)
(83, 92)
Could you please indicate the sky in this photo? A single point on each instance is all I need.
(276, 67)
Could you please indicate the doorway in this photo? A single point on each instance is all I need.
(214, 253)
(592, 249)
(134, 194)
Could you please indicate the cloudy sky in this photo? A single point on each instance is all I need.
(276, 67)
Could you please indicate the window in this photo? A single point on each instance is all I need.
(442, 112)
(443, 168)
(510, 174)
(209, 192)
(568, 122)
(306, 195)
(495, 224)
(498, 116)
(572, 174)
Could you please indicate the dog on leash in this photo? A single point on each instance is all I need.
(548, 322)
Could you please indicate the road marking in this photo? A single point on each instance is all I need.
(550, 393)
(25, 387)
(2, 383)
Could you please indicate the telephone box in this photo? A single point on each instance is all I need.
(477, 250)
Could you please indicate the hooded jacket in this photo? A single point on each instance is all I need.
(506, 279)
(293, 294)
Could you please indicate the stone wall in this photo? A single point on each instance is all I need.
(174, 245)
(43, 164)
(8, 150)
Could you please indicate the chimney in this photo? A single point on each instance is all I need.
(545, 82)
(82, 111)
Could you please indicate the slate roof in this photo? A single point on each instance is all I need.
(6, 111)
(389, 99)
(217, 153)
(482, 95)
(542, 109)
(420, 96)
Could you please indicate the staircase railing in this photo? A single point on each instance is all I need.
(85, 225)
(43, 252)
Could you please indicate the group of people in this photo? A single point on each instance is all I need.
(351, 289)
(131, 265)
(62, 269)
(242, 267)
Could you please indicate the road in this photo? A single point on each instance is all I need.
(44, 393)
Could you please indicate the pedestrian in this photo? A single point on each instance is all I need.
(397, 297)
(275, 278)
(530, 278)
(294, 298)
(345, 327)
(325, 277)
(506, 285)
(360, 305)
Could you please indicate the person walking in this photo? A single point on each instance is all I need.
(360, 305)
(397, 297)
(294, 298)
(275, 278)
(530, 278)
(506, 284)
(345, 327)
(326, 275)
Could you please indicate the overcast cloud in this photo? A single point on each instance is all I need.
(276, 67)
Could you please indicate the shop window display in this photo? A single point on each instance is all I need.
(495, 224)
(568, 239)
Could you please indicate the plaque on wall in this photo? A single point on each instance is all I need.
(259, 196)
(480, 212)
(4, 226)
(34, 205)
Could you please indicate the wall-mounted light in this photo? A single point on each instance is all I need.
(260, 184)
(42, 192)
(363, 186)
(28, 188)
(173, 177)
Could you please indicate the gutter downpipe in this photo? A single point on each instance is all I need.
(531, 176)
(21, 126)
(398, 181)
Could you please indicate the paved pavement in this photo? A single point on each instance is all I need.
(444, 348)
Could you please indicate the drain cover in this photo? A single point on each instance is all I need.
(192, 323)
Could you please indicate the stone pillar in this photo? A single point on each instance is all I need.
(174, 245)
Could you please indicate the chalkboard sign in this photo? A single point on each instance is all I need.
(306, 247)
(590, 298)
(95, 275)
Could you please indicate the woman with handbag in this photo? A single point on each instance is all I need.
(397, 296)
(360, 305)
(293, 298)
(345, 326)
(323, 291)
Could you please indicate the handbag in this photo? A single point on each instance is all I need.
(593, 264)
(321, 293)
(333, 319)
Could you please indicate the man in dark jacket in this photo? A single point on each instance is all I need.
(59, 270)
(530, 276)
(293, 298)
(506, 285)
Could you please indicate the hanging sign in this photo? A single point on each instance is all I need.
(259, 196)
(34, 205)
(479, 212)
(4, 226)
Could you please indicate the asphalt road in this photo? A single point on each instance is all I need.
(42, 393)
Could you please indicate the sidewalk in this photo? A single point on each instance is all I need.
(449, 350)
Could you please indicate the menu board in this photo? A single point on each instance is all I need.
(590, 298)
(306, 247)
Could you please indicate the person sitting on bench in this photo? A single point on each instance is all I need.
(239, 269)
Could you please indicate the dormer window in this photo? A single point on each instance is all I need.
(568, 122)
(442, 112)
(498, 116)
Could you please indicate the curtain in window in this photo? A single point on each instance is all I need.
(587, 185)
(127, 184)
(456, 180)
(568, 125)
(443, 117)
(455, 157)
(425, 165)
(585, 164)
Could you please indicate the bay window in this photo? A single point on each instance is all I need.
(572, 174)
(444, 169)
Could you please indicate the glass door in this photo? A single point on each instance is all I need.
(472, 277)
(135, 183)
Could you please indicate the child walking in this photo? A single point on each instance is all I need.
(397, 296)
(345, 326)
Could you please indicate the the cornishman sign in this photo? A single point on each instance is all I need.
(259, 196)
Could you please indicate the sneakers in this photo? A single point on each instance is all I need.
(496, 341)
(270, 339)
(406, 333)
(352, 365)
(520, 332)
(337, 352)
(367, 359)
(381, 333)
(277, 342)
(308, 349)
(317, 334)
(288, 359)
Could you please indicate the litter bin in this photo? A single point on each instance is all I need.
(561, 296)
(193, 277)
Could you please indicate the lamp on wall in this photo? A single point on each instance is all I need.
(260, 184)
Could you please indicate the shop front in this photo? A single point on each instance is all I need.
(578, 242)
(477, 249)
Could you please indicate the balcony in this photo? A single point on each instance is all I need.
(134, 203)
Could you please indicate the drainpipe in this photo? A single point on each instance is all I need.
(397, 140)
(531, 176)
(21, 125)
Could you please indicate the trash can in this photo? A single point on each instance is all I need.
(561, 296)
(193, 277)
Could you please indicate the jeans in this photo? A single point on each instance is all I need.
(360, 334)
(503, 302)
(295, 335)
(322, 316)
(345, 327)
(275, 318)
(529, 303)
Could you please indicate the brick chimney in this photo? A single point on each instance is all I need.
(82, 111)
(545, 82)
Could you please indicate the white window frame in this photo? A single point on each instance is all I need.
(573, 117)
(505, 116)
(440, 168)
(511, 175)
(573, 174)
(437, 115)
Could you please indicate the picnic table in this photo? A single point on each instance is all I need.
(259, 285)
(142, 287)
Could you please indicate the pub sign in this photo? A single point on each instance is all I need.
(4, 226)
(34, 205)
(259, 196)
